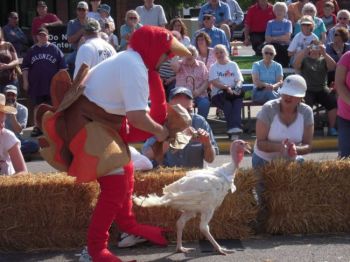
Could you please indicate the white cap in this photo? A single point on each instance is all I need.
(293, 85)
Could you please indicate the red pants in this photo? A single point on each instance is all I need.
(115, 204)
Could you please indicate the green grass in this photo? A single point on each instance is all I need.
(245, 62)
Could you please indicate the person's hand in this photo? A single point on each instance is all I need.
(168, 81)
(269, 87)
(195, 93)
(322, 50)
(25, 86)
(229, 90)
(292, 150)
(3, 66)
(162, 134)
(202, 136)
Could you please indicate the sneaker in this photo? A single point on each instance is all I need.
(220, 114)
(127, 240)
(36, 132)
(84, 256)
(234, 130)
(332, 132)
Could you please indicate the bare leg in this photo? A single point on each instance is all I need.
(180, 224)
(204, 228)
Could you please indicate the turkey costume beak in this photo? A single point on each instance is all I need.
(179, 49)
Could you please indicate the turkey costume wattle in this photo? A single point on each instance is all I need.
(88, 136)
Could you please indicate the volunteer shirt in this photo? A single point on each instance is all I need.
(301, 41)
(119, 84)
(93, 52)
(278, 131)
(228, 74)
(7, 141)
(278, 28)
(344, 108)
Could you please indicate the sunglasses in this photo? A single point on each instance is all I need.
(206, 17)
(342, 18)
(81, 9)
(14, 17)
(305, 25)
(268, 53)
(132, 18)
(336, 34)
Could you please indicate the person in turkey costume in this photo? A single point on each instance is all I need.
(86, 133)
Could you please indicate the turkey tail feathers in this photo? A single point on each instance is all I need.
(149, 201)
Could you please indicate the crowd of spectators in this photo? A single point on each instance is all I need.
(309, 36)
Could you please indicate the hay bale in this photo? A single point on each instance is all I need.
(44, 212)
(231, 220)
(309, 198)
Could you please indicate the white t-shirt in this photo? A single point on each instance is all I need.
(301, 41)
(278, 132)
(119, 84)
(229, 74)
(7, 141)
(153, 16)
(93, 52)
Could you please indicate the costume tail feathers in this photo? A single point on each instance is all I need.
(150, 201)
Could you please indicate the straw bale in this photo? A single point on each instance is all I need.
(44, 212)
(312, 197)
(231, 220)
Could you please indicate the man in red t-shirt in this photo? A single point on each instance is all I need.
(255, 24)
(44, 19)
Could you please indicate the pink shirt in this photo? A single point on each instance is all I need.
(209, 59)
(344, 108)
(38, 21)
(192, 76)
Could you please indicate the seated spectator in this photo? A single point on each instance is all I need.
(302, 39)
(11, 158)
(177, 25)
(237, 15)
(201, 147)
(205, 52)
(294, 10)
(8, 63)
(42, 61)
(151, 14)
(44, 19)
(329, 19)
(222, 14)
(343, 20)
(193, 74)
(278, 32)
(132, 23)
(17, 122)
(337, 48)
(342, 82)
(320, 6)
(314, 64)
(284, 128)
(319, 27)
(14, 34)
(255, 25)
(217, 35)
(267, 76)
(227, 93)
(104, 10)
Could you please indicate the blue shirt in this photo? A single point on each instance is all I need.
(217, 36)
(124, 30)
(193, 154)
(74, 26)
(222, 12)
(318, 30)
(267, 74)
(16, 37)
(278, 28)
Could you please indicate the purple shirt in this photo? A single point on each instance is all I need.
(42, 64)
(344, 108)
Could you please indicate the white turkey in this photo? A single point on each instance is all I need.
(200, 191)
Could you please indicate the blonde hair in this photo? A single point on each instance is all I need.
(221, 47)
(133, 12)
(280, 4)
(343, 12)
(309, 6)
(269, 47)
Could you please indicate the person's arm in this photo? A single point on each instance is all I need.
(306, 146)
(74, 38)
(175, 65)
(204, 138)
(25, 79)
(262, 131)
(140, 119)
(17, 159)
(340, 82)
(246, 35)
(299, 58)
(331, 64)
(14, 59)
(16, 126)
(201, 88)
(323, 37)
(55, 23)
(238, 17)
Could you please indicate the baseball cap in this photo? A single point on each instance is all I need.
(180, 90)
(83, 5)
(306, 20)
(42, 30)
(10, 89)
(13, 15)
(92, 25)
(41, 3)
(293, 85)
(104, 7)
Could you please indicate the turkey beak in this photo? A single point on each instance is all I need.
(179, 49)
(247, 148)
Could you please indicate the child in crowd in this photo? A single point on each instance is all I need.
(112, 38)
(329, 18)
(302, 39)
(104, 11)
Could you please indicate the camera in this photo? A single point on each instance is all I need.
(315, 47)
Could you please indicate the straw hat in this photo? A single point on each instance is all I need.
(4, 108)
